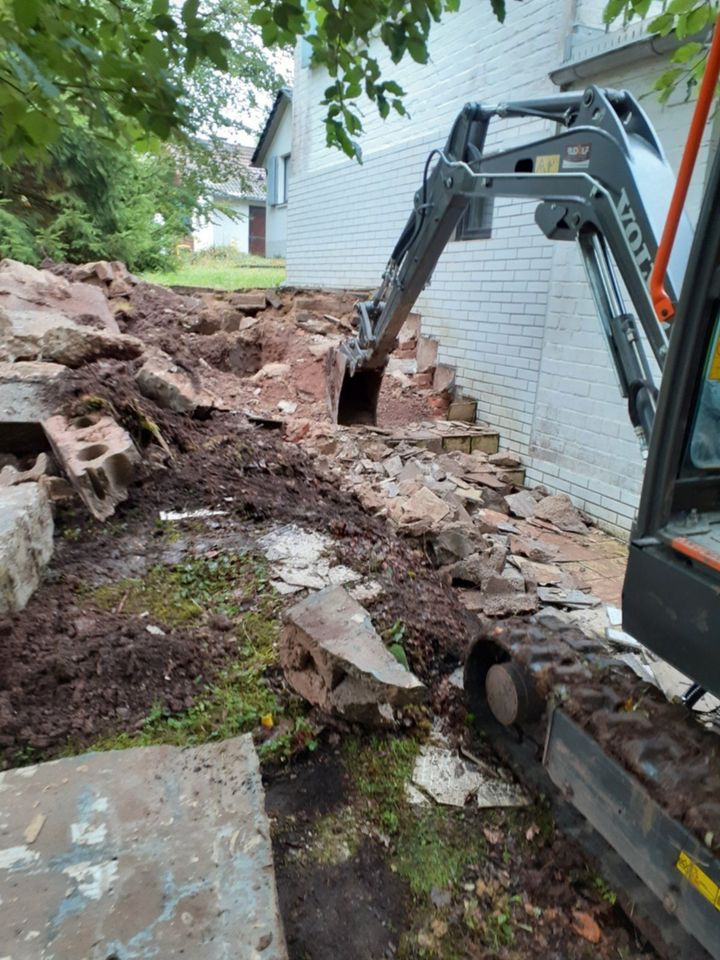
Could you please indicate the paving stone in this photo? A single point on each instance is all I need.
(152, 852)
(97, 455)
(333, 657)
(26, 546)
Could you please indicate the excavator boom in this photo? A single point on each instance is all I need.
(602, 181)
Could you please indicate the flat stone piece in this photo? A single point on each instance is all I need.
(521, 504)
(559, 509)
(26, 546)
(98, 456)
(56, 337)
(151, 852)
(333, 657)
(425, 506)
(23, 287)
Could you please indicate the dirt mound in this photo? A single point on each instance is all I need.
(67, 675)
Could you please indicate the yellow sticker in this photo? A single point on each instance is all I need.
(714, 372)
(697, 878)
(548, 163)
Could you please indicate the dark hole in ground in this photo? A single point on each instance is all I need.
(353, 910)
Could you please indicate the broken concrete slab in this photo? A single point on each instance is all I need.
(97, 455)
(505, 459)
(452, 543)
(173, 387)
(536, 550)
(333, 657)
(464, 410)
(54, 337)
(154, 851)
(27, 390)
(541, 574)
(26, 543)
(557, 596)
(559, 510)
(453, 781)
(521, 504)
(301, 560)
(509, 604)
(26, 288)
(477, 567)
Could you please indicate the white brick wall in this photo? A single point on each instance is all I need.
(512, 312)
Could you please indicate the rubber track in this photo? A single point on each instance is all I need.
(660, 743)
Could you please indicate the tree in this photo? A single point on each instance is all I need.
(140, 67)
(689, 20)
(88, 201)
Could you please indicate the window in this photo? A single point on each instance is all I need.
(476, 223)
(278, 180)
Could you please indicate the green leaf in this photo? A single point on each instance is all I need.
(190, 11)
(417, 50)
(498, 8)
(397, 650)
(687, 52)
(680, 6)
(698, 19)
(26, 12)
(613, 10)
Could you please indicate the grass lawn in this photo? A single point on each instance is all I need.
(242, 273)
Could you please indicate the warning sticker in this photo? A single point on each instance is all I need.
(698, 879)
(548, 163)
(714, 371)
(577, 155)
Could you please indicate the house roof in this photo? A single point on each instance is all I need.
(283, 99)
(253, 188)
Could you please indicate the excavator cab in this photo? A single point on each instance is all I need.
(671, 597)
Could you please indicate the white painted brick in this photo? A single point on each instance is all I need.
(513, 311)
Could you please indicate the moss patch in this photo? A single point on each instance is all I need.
(192, 588)
(245, 695)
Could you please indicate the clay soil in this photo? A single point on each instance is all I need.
(74, 671)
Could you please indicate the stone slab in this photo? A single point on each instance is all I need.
(155, 852)
(26, 389)
(26, 545)
(333, 657)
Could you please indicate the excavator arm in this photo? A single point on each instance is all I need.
(602, 181)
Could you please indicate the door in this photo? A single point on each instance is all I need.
(257, 231)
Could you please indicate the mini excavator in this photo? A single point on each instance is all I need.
(643, 772)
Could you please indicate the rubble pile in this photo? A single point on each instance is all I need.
(98, 369)
(506, 549)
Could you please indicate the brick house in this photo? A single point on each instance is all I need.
(511, 310)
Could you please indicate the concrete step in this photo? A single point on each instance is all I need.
(463, 409)
(155, 851)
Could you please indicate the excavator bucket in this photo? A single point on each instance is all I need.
(351, 398)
